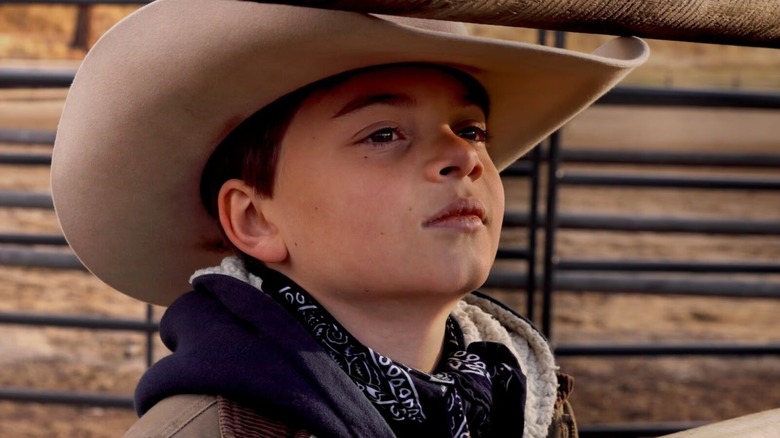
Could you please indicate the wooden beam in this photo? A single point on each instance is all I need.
(736, 22)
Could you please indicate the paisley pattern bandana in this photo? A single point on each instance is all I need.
(476, 391)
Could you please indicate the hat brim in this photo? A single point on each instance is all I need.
(161, 89)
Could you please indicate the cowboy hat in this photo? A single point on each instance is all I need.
(161, 89)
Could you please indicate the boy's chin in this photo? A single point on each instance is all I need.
(445, 289)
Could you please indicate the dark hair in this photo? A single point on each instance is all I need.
(251, 151)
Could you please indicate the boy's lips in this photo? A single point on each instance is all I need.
(463, 213)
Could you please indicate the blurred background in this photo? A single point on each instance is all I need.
(687, 189)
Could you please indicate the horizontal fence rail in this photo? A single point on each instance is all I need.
(14, 77)
(80, 322)
(661, 158)
(626, 223)
(32, 239)
(25, 200)
(25, 159)
(68, 398)
(712, 349)
(639, 284)
(26, 136)
(668, 181)
(652, 96)
(29, 258)
(723, 267)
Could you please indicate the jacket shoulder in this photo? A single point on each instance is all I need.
(205, 416)
(188, 416)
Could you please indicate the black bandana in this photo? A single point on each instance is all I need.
(476, 391)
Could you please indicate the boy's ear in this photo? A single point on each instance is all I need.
(242, 219)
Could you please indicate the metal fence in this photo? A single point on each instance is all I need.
(544, 273)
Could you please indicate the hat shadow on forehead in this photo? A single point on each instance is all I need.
(157, 93)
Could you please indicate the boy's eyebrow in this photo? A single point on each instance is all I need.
(363, 101)
(401, 100)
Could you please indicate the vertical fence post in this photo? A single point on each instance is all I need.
(550, 227)
(533, 218)
(551, 224)
(83, 31)
(149, 335)
(533, 222)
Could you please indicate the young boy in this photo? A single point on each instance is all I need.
(350, 163)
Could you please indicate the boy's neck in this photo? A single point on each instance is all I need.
(408, 333)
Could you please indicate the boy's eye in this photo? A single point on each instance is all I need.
(473, 133)
(384, 135)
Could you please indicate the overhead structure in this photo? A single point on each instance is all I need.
(736, 22)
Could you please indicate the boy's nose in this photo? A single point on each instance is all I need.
(455, 157)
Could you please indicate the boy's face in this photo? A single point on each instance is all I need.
(385, 189)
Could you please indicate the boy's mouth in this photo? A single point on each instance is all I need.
(464, 213)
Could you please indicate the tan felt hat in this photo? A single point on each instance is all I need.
(161, 89)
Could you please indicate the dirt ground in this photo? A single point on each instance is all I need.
(608, 390)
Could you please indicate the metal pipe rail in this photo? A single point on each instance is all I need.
(653, 96)
(660, 158)
(26, 136)
(666, 181)
(722, 267)
(25, 159)
(17, 77)
(513, 252)
(39, 259)
(66, 398)
(656, 350)
(32, 239)
(666, 286)
(80, 322)
(26, 200)
(625, 223)
(639, 284)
